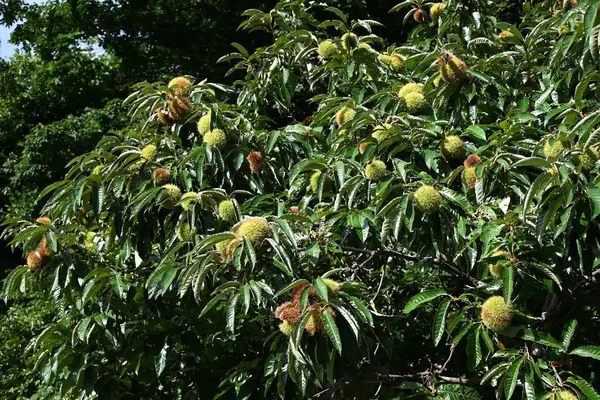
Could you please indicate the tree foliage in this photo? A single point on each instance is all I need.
(47, 147)
(349, 219)
(19, 324)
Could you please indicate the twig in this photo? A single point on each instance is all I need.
(334, 387)
(380, 284)
(452, 347)
(463, 381)
(554, 309)
(427, 375)
(362, 265)
(451, 379)
(585, 280)
(412, 257)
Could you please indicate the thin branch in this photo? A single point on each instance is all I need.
(380, 284)
(555, 308)
(463, 381)
(452, 347)
(333, 387)
(427, 374)
(362, 265)
(412, 257)
(586, 280)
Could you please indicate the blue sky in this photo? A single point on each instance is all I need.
(7, 49)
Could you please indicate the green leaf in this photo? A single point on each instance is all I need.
(539, 337)
(340, 169)
(249, 251)
(476, 131)
(117, 284)
(439, 322)
(352, 322)
(82, 328)
(214, 301)
(332, 330)
(457, 392)
(240, 48)
(532, 162)
(507, 284)
(422, 298)
(321, 289)
(291, 286)
(474, 355)
(231, 312)
(338, 12)
(364, 313)
(588, 390)
(458, 199)
(529, 386)
(487, 340)
(590, 18)
(285, 226)
(51, 188)
(568, 333)
(398, 7)
(51, 237)
(594, 196)
(306, 165)
(538, 185)
(209, 241)
(512, 376)
(160, 360)
(587, 351)
(494, 372)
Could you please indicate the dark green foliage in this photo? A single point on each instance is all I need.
(21, 321)
(150, 39)
(48, 148)
(39, 92)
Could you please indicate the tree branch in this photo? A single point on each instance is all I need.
(412, 257)
(452, 347)
(380, 284)
(427, 374)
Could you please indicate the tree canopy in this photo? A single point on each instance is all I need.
(352, 217)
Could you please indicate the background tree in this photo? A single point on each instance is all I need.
(26, 317)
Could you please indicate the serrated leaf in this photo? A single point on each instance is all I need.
(512, 376)
(588, 390)
(495, 371)
(587, 351)
(332, 330)
(321, 289)
(474, 355)
(51, 237)
(532, 162)
(594, 196)
(160, 360)
(214, 301)
(439, 322)
(457, 392)
(352, 322)
(458, 199)
(289, 287)
(529, 386)
(422, 298)
(539, 337)
(231, 312)
(568, 333)
(476, 131)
